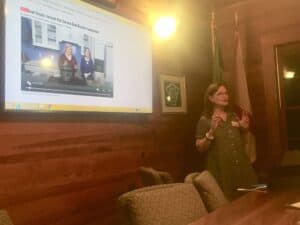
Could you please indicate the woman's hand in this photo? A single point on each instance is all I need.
(202, 144)
(244, 121)
(215, 122)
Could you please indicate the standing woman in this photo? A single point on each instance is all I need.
(87, 65)
(67, 64)
(219, 135)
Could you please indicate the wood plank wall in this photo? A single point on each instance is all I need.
(259, 20)
(75, 170)
(69, 169)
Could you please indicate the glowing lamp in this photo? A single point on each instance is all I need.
(165, 27)
(289, 74)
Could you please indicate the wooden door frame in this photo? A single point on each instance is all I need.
(276, 127)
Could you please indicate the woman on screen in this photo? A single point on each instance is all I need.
(87, 65)
(67, 64)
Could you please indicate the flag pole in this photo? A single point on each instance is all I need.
(212, 30)
(216, 52)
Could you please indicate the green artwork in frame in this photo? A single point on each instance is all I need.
(173, 93)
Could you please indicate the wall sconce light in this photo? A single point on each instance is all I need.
(288, 74)
(165, 27)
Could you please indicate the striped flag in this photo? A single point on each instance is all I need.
(216, 52)
(242, 99)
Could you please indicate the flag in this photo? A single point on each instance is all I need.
(241, 93)
(216, 52)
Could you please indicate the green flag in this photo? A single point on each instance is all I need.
(216, 53)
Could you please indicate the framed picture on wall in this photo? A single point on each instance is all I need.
(173, 93)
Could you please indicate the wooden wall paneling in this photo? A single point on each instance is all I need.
(51, 209)
(41, 170)
(54, 175)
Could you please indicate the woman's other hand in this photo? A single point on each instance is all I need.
(244, 121)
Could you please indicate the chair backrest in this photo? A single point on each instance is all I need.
(165, 177)
(167, 204)
(190, 177)
(209, 190)
(151, 176)
(4, 218)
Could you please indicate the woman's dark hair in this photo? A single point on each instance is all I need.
(210, 91)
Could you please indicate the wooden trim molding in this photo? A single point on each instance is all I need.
(276, 132)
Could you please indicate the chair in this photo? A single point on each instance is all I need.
(165, 177)
(4, 218)
(190, 177)
(208, 189)
(151, 176)
(166, 204)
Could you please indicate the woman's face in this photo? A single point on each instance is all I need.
(69, 50)
(220, 97)
(87, 53)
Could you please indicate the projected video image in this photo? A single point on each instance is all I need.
(60, 59)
